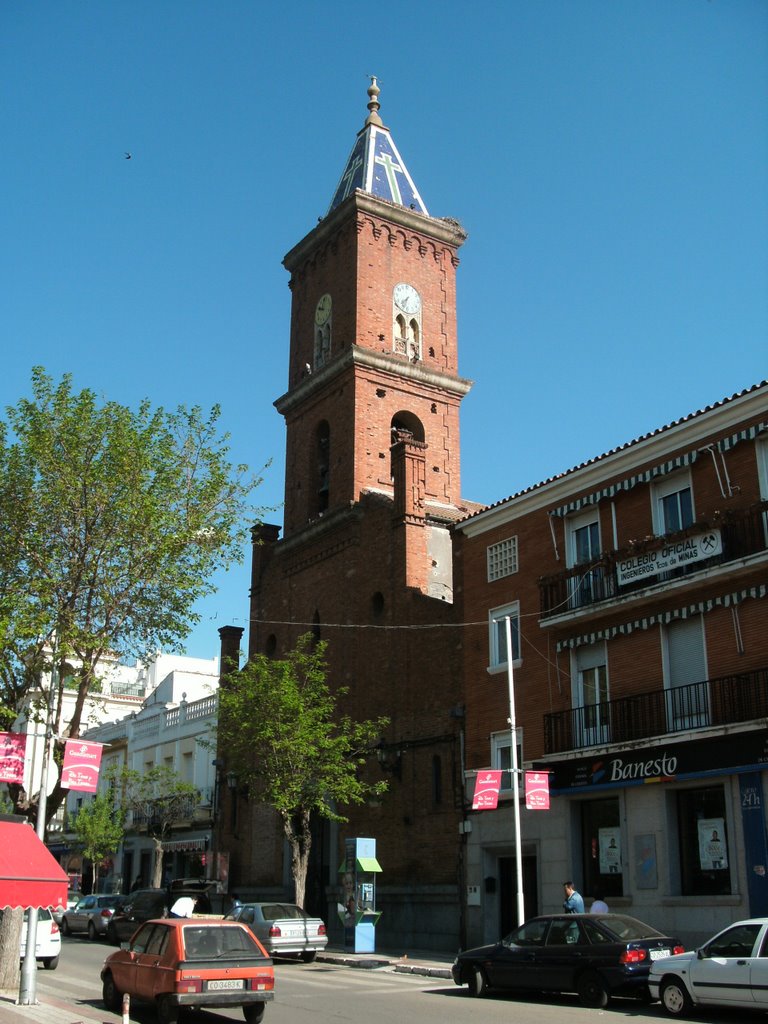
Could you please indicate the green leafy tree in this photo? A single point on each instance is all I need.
(155, 800)
(280, 726)
(114, 523)
(99, 826)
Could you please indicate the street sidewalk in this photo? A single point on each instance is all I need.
(50, 1009)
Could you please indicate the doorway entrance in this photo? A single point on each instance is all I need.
(508, 892)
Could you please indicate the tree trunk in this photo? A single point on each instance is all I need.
(157, 865)
(299, 837)
(10, 941)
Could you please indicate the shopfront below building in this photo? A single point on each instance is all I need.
(674, 834)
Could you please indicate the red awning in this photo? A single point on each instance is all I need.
(29, 875)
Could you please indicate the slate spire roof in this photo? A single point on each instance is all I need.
(375, 166)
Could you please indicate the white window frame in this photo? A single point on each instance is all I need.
(586, 659)
(501, 758)
(496, 618)
(501, 559)
(665, 487)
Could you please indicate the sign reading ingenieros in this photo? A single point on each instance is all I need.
(80, 770)
(695, 548)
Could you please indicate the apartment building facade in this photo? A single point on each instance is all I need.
(635, 587)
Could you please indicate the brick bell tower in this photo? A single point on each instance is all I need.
(372, 487)
(374, 390)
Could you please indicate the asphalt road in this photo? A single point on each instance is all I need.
(323, 993)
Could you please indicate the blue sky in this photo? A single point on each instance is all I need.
(608, 158)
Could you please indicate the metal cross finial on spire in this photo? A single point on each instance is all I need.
(373, 102)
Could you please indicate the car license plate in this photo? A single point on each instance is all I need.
(225, 984)
(657, 954)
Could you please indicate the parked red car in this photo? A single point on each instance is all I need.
(191, 962)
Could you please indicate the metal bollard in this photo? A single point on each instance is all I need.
(126, 1008)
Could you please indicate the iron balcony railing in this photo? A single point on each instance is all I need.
(735, 698)
(743, 533)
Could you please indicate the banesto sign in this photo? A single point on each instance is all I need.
(695, 548)
(685, 759)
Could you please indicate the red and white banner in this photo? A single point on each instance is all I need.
(81, 766)
(537, 791)
(13, 748)
(487, 786)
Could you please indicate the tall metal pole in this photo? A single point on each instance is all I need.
(515, 770)
(28, 981)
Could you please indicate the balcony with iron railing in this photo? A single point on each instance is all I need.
(723, 701)
(743, 532)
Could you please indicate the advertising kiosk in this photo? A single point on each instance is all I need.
(358, 911)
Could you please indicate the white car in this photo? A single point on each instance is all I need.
(730, 970)
(48, 944)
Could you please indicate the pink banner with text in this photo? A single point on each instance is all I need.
(487, 786)
(537, 791)
(13, 748)
(81, 766)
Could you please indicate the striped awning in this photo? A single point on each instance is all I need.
(626, 485)
(663, 618)
(185, 845)
(748, 434)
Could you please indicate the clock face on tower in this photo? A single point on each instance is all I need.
(323, 310)
(407, 298)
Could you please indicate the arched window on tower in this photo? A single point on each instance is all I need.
(322, 466)
(414, 341)
(401, 335)
(404, 422)
(322, 345)
(316, 638)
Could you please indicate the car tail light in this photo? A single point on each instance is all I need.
(274, 932)
(106, 912)
(678, 949)
(321, 930)
(633, 956)
(54, 928)
(189, 985)
(261, 983)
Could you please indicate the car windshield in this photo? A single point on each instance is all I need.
(202, 942)
(629, 928)
(109, 901)
(273, 911)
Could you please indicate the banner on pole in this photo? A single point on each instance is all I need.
(537, 791)
(13, 749)
(487, 786)
(80, 770)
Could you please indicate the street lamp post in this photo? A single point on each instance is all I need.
(515, 769)
(28, 981)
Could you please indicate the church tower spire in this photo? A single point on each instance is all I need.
(375, 165)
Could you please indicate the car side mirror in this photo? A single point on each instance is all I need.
(701, 953)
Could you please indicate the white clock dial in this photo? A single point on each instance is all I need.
(323, 310)
(407, 298)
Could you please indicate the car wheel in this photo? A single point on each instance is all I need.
(110, 996)
(309, 956)
(92, 935)
(254, 1014)
(674, 998)
(50, 963)
(478, 985)
(65, 929)
(592, 991)
(167, 1012)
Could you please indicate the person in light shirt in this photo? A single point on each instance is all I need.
(599, 906)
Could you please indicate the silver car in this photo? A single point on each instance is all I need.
(283, 929)
(90, 915)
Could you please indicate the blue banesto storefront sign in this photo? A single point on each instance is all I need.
(716, 755)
